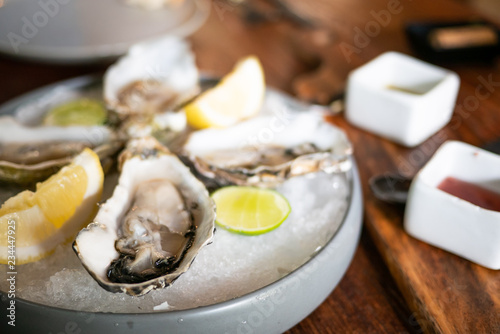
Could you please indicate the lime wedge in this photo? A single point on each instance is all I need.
(85, 112)
(250, 210)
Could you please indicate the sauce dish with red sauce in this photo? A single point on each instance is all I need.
(454, 203)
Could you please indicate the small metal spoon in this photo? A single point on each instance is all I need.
(393, 188)
(390, 188)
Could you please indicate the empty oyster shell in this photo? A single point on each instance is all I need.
(149, 232)
(266, 150)
(154, 76)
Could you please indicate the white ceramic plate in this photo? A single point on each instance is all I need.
(76, 31)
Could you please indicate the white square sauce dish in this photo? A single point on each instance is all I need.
(454, 203)
(401, 98)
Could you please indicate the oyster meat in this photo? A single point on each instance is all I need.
(266, 150)
(150, 230)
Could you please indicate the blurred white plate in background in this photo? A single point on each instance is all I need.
(76, 31)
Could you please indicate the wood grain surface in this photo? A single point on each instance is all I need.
(445, 293)
(396, 284)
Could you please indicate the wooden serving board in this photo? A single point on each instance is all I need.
(445, 293)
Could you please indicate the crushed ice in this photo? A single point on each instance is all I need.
(231, 266)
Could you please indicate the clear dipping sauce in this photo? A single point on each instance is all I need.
(472, 193)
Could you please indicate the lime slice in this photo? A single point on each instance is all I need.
(84, 112)
(250, 210)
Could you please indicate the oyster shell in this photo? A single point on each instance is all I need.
(167, 127)
(154, 76)
(150, 230)
(32, 153)
(268, 149)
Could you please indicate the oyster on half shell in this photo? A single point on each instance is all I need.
(268, 149)
(154, 76)
(32, 153)
(150, 230)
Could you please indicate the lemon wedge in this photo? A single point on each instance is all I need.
(238, 95)
(32, 224)
(250, 210)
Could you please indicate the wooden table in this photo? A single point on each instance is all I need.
(396, 284)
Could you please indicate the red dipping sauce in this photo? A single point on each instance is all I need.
(471, 192)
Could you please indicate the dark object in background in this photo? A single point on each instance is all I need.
(467, 41)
